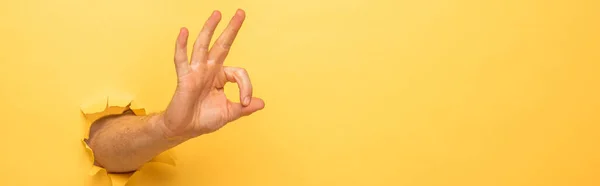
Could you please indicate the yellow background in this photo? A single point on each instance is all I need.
(358, 92)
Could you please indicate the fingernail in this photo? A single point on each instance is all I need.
(246, 101)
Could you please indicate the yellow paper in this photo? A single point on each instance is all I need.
(98, 177)
(357, 92)
(160, 165)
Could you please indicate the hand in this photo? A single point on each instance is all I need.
(199, 105)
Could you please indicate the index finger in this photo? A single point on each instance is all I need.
(200, 51)
(221, 48)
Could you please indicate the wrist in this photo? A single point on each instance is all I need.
(159, 130)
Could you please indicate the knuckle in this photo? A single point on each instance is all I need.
(202, 47)
(211, 63)
(179, 59)
(226, 46)
(241, 71)
(194, 63)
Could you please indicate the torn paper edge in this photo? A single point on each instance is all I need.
(101, 108)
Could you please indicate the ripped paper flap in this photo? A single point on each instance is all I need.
(154, 172)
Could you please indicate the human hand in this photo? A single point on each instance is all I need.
(199, 104)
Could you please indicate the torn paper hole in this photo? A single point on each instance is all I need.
(162, 166)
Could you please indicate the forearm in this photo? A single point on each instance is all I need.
(125, 142)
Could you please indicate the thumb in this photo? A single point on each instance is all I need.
(238, 110)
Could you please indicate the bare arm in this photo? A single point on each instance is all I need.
(122, 143)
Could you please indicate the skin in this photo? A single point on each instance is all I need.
(123, 143)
